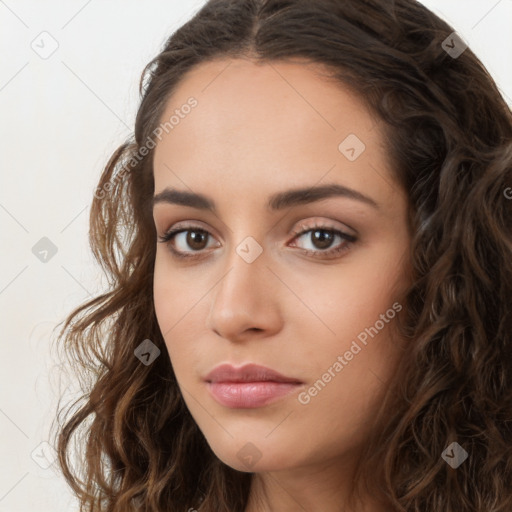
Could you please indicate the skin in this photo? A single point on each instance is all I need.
(259, 129)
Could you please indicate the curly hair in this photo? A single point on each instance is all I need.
(448, 132)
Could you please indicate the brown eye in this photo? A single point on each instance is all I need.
(323, 242)
(186, 242)
(196, 239)
(322, 238)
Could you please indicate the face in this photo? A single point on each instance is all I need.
(289, 252)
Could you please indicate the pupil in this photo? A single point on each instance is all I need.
(196, 239)
(322, 239)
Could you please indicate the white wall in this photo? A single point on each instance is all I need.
(61, 117)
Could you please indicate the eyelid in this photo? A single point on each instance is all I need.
(302, 226)
(191, 224)
(326, 225)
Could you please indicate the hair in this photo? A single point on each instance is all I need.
(448, 133)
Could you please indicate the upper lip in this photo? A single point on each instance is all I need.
(247, 373)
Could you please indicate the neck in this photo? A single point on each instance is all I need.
(323, 488)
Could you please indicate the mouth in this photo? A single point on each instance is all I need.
(249, 386)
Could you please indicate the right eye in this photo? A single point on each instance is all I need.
(181, 238)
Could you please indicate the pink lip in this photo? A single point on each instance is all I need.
(249, 386)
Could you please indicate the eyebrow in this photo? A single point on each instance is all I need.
(278, 201)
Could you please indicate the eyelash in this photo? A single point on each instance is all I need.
(348, 239)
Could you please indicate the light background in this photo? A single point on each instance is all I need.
(60, 119)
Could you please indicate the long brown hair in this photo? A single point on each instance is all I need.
(448, 132)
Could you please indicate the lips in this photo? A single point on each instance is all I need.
(247, 373)
(249, 386)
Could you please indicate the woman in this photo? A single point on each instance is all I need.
(309, 244)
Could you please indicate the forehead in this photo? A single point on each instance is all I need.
(276, 123)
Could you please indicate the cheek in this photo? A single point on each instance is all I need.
(173, 302)
(181, 308)
(355, 312)
(352, 297)
(348, 368)
(176, 293)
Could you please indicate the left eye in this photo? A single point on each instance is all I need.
(320, 240)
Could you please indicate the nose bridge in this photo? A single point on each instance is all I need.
(246, 258)
(245, 273)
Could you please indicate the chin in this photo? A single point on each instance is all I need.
(249, 457)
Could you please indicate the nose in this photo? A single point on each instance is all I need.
(246, 300)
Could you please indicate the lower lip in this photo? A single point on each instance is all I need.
(249, 395)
